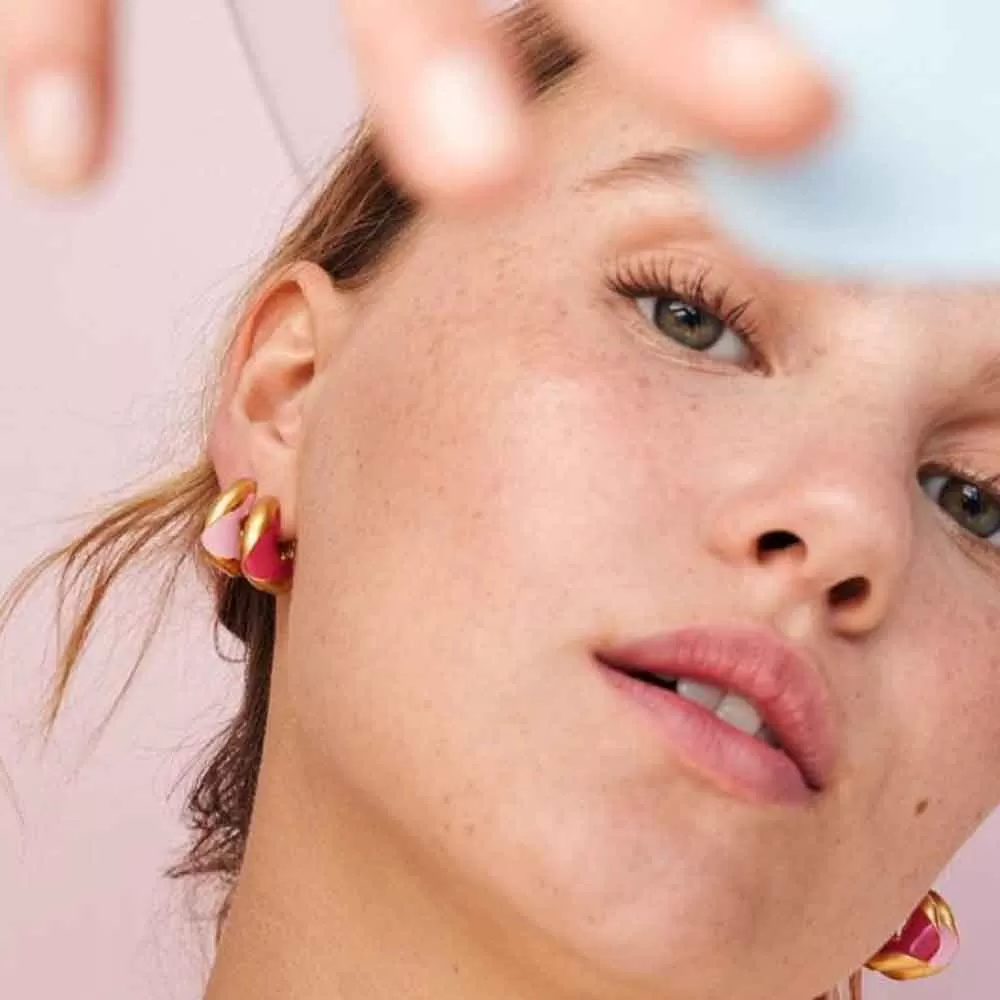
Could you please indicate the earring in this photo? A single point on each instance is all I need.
(924, 946)
(220, 539)
(265, 560)
(242, 537)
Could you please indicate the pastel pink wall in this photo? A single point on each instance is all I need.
(108, 308)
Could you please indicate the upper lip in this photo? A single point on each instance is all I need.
(787, 690)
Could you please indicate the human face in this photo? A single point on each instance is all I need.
(512, 466)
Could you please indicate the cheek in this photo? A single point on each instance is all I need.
(941, 686)
(476, 506)
(464, 489)
(523, 459)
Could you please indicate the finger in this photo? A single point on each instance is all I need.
(720, 67)
(444, 98)
(56, 67)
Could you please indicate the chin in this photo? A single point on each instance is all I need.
(701, 951)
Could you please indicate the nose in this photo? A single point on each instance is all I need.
(841, 546)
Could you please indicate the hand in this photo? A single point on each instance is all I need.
(449, 111)
(448, 105)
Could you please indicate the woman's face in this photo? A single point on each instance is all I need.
(534, 443)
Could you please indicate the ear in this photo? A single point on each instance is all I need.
(283, 340)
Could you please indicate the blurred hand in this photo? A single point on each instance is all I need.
(448, 105)
(449, 109)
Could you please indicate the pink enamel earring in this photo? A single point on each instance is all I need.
(242, 537)
(924, 946)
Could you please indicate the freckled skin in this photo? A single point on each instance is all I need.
(503, 464)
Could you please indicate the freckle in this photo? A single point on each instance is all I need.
(921, 807)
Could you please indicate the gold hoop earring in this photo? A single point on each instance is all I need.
(241, 537)
(265, 560)
(925, 945)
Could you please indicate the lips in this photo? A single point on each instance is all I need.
(786, 690)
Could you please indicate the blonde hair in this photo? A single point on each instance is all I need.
(348, 229)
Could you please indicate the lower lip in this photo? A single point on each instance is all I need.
(739, 764)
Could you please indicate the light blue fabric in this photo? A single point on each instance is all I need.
(908, 185)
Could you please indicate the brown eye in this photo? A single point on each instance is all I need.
(970, 505)
(695, 328)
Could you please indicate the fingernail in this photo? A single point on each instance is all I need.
(55, 127)
(470, 120)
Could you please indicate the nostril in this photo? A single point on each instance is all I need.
(776, 541)
(852, 591)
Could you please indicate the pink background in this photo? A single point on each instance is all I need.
(109, 306)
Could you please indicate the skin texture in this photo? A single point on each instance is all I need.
(448, 101)
(493, 463)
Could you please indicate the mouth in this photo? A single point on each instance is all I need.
(739, 705)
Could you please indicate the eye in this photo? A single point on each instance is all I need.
(696, 307)
(695, 328)
(971, 505)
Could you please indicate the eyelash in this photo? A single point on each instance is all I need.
(637, 279)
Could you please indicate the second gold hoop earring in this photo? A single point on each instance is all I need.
(242, 537)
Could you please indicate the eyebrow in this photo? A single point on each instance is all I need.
(655, 166)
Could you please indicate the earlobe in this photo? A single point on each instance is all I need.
(258, 422)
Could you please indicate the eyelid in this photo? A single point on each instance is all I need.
(695, 280)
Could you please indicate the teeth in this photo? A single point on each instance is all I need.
(703, 694)
(739, 713)
(729, 707)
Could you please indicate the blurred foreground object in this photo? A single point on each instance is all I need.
(907, 184)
